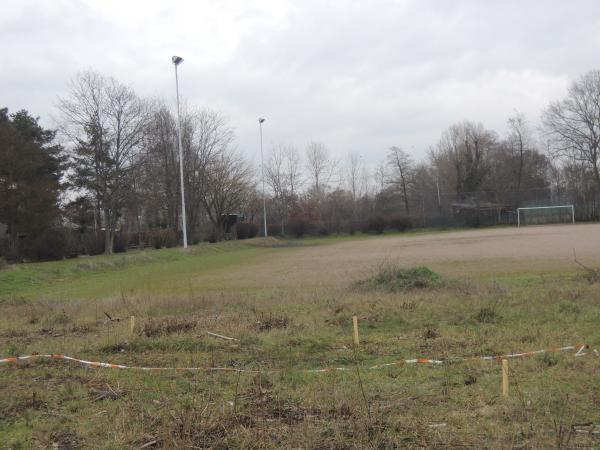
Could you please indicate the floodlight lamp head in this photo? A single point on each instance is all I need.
(261, 120)
(177, 60)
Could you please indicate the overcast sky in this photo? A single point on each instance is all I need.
(359, 76)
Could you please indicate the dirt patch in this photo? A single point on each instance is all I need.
(461, 253)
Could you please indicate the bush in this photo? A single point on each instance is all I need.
(323, 230)
(121, 242)
(170, 238)
(274, 230)
(244, 230)
(91, 243)
(3, 264)
(297, 227)
(375, 225)
(162, 237)
(240, 230)
(253, 230)
(394, 279)
(9, 249)
(212, 236)
(167, 325)
(48, 245)
(400, 223)
(487, 315)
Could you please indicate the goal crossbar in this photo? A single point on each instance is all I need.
(545, 207)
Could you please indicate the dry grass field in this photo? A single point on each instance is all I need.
(289, 305)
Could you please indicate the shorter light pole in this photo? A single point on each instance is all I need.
(262, 169)
(176, 61)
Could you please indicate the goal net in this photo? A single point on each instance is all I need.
(538, 215)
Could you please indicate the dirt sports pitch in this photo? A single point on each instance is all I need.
(288, 307)
(471, 252)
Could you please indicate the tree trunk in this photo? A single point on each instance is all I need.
(108, 232)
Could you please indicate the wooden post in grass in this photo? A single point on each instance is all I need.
(505, 377)
(355, 323)
(131, 324)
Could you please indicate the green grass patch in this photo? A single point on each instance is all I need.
(392, 278)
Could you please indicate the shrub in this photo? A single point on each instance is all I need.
(241, 230)
(323, 230)
(548, 359)
(10, 249)
(400, 223)
(92, 243)
(170, 238)
(3, 264)
(297, 227)
(154, 239)
(48, 245)
(253, 230)
(487, 315)
(121, 243)
(162, 237)
(167, 325)
(268, 322)
(274, 230)
(394, 279)
(375, 225)
(212, 236)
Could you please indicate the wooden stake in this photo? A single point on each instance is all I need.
(505, 377)
(355, 323)
(132, 324)
(220, 336)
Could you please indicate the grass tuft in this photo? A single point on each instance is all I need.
(392, 278)
(168, 325)
(487, 315)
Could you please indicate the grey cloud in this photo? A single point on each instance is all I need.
(359, 76)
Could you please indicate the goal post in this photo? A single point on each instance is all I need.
(546, 209)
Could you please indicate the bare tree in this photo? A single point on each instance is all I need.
(293, 170)
(402, 175)
(355, 175)
(106, 123)
(518, 140)
(207, 139)
(282, 173)
(573, 124)
(320, 167)
(227, 183)
(161, 170)
(465, 148)
(380, 174)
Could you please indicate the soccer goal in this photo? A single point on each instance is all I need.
(537, 215)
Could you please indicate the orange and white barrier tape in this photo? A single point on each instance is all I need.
(93, 364)
(579, 347)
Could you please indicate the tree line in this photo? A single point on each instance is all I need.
(107, 178)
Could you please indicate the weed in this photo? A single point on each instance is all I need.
(270, 321)
(430, 333)
(470, 379)
(569, 308)
(487, 315)
(57, 319)
(548, 359)
(168, 325)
